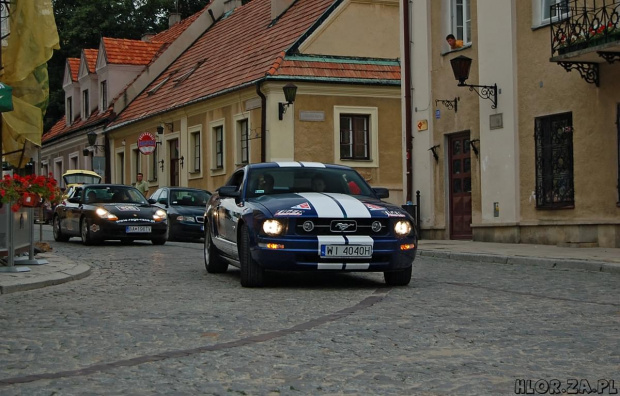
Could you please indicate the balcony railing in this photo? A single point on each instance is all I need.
(583, 24)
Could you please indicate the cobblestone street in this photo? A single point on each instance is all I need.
(150, 320)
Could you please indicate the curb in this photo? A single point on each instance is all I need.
(549, 263)
(76, 272)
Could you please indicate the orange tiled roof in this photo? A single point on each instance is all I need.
(91, 59)
(171, 34)
(337, 68)
(74, 67)
(237, 50)
(130, 52)
(60, 128)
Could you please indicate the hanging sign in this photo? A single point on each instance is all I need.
(147, 143)
(6, 98)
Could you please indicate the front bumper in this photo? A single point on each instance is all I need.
(302, 254)
(103, 229)
(180, 230)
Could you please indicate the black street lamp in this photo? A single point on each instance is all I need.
(460, 68)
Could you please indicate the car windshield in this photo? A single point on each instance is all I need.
(115, 194)
(265, 181)
(81, 178)
(188, 198)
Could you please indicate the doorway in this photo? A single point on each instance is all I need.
(173, 149)
(459, 157)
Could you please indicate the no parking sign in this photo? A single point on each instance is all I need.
(147, 143)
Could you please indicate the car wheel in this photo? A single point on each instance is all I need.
(58, 235)
(214, 264)
(87, 238)
(398, 278)
(252, 275)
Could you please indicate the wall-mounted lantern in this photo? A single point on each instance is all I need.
(460, 68)
(290, 91)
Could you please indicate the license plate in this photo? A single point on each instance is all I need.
(131, 229)
(346, 251)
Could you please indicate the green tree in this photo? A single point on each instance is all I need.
(81, 24)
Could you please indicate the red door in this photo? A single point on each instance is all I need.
(460, 186)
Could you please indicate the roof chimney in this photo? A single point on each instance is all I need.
(146, 37)
(279, 6)
(173, 19)
(230, 5)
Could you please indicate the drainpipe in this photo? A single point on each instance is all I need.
(263, 122)
(407, 74)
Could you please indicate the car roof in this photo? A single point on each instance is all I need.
(80, 172)
(296, 164)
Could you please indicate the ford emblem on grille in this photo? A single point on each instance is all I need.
(343, 226)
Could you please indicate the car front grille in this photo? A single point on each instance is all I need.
(341, 227)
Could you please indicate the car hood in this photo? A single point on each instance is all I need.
(330, 205)
(130, 211)
(187, 210)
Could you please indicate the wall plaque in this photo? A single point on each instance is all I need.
(312, 116)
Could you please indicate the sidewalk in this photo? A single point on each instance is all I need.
(60, 269)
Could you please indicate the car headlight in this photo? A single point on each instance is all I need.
(273, 227)
(189, 219)
(402, 228)
(159, 215)
(104, 214)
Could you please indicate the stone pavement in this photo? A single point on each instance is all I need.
(60, 269)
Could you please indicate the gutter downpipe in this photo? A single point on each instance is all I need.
(263, 121)
(407, 88)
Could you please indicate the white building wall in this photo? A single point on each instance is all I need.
(421, 59)
(498, 147)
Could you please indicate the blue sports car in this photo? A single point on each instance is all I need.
(306, 216)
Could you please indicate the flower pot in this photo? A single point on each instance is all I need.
(30, 200)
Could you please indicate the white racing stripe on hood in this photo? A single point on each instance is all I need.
(352, 206)
(324, 205)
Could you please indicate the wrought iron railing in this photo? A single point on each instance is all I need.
(582, 24)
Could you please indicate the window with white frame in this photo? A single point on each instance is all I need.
(120, 167)
(547, 11)
(356, 136)
(243, 140)
(460, 17)
(195, 150)
(104, 95)
(152, 165)
(69, 110)
(73, 162)
(218, 146)
(137, 163)
(85, 104)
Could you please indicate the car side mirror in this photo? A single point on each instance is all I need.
(74, 200)
(229, 191)
(381, 192)
(152, 201)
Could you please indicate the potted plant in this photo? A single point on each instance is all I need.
(30, 190)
